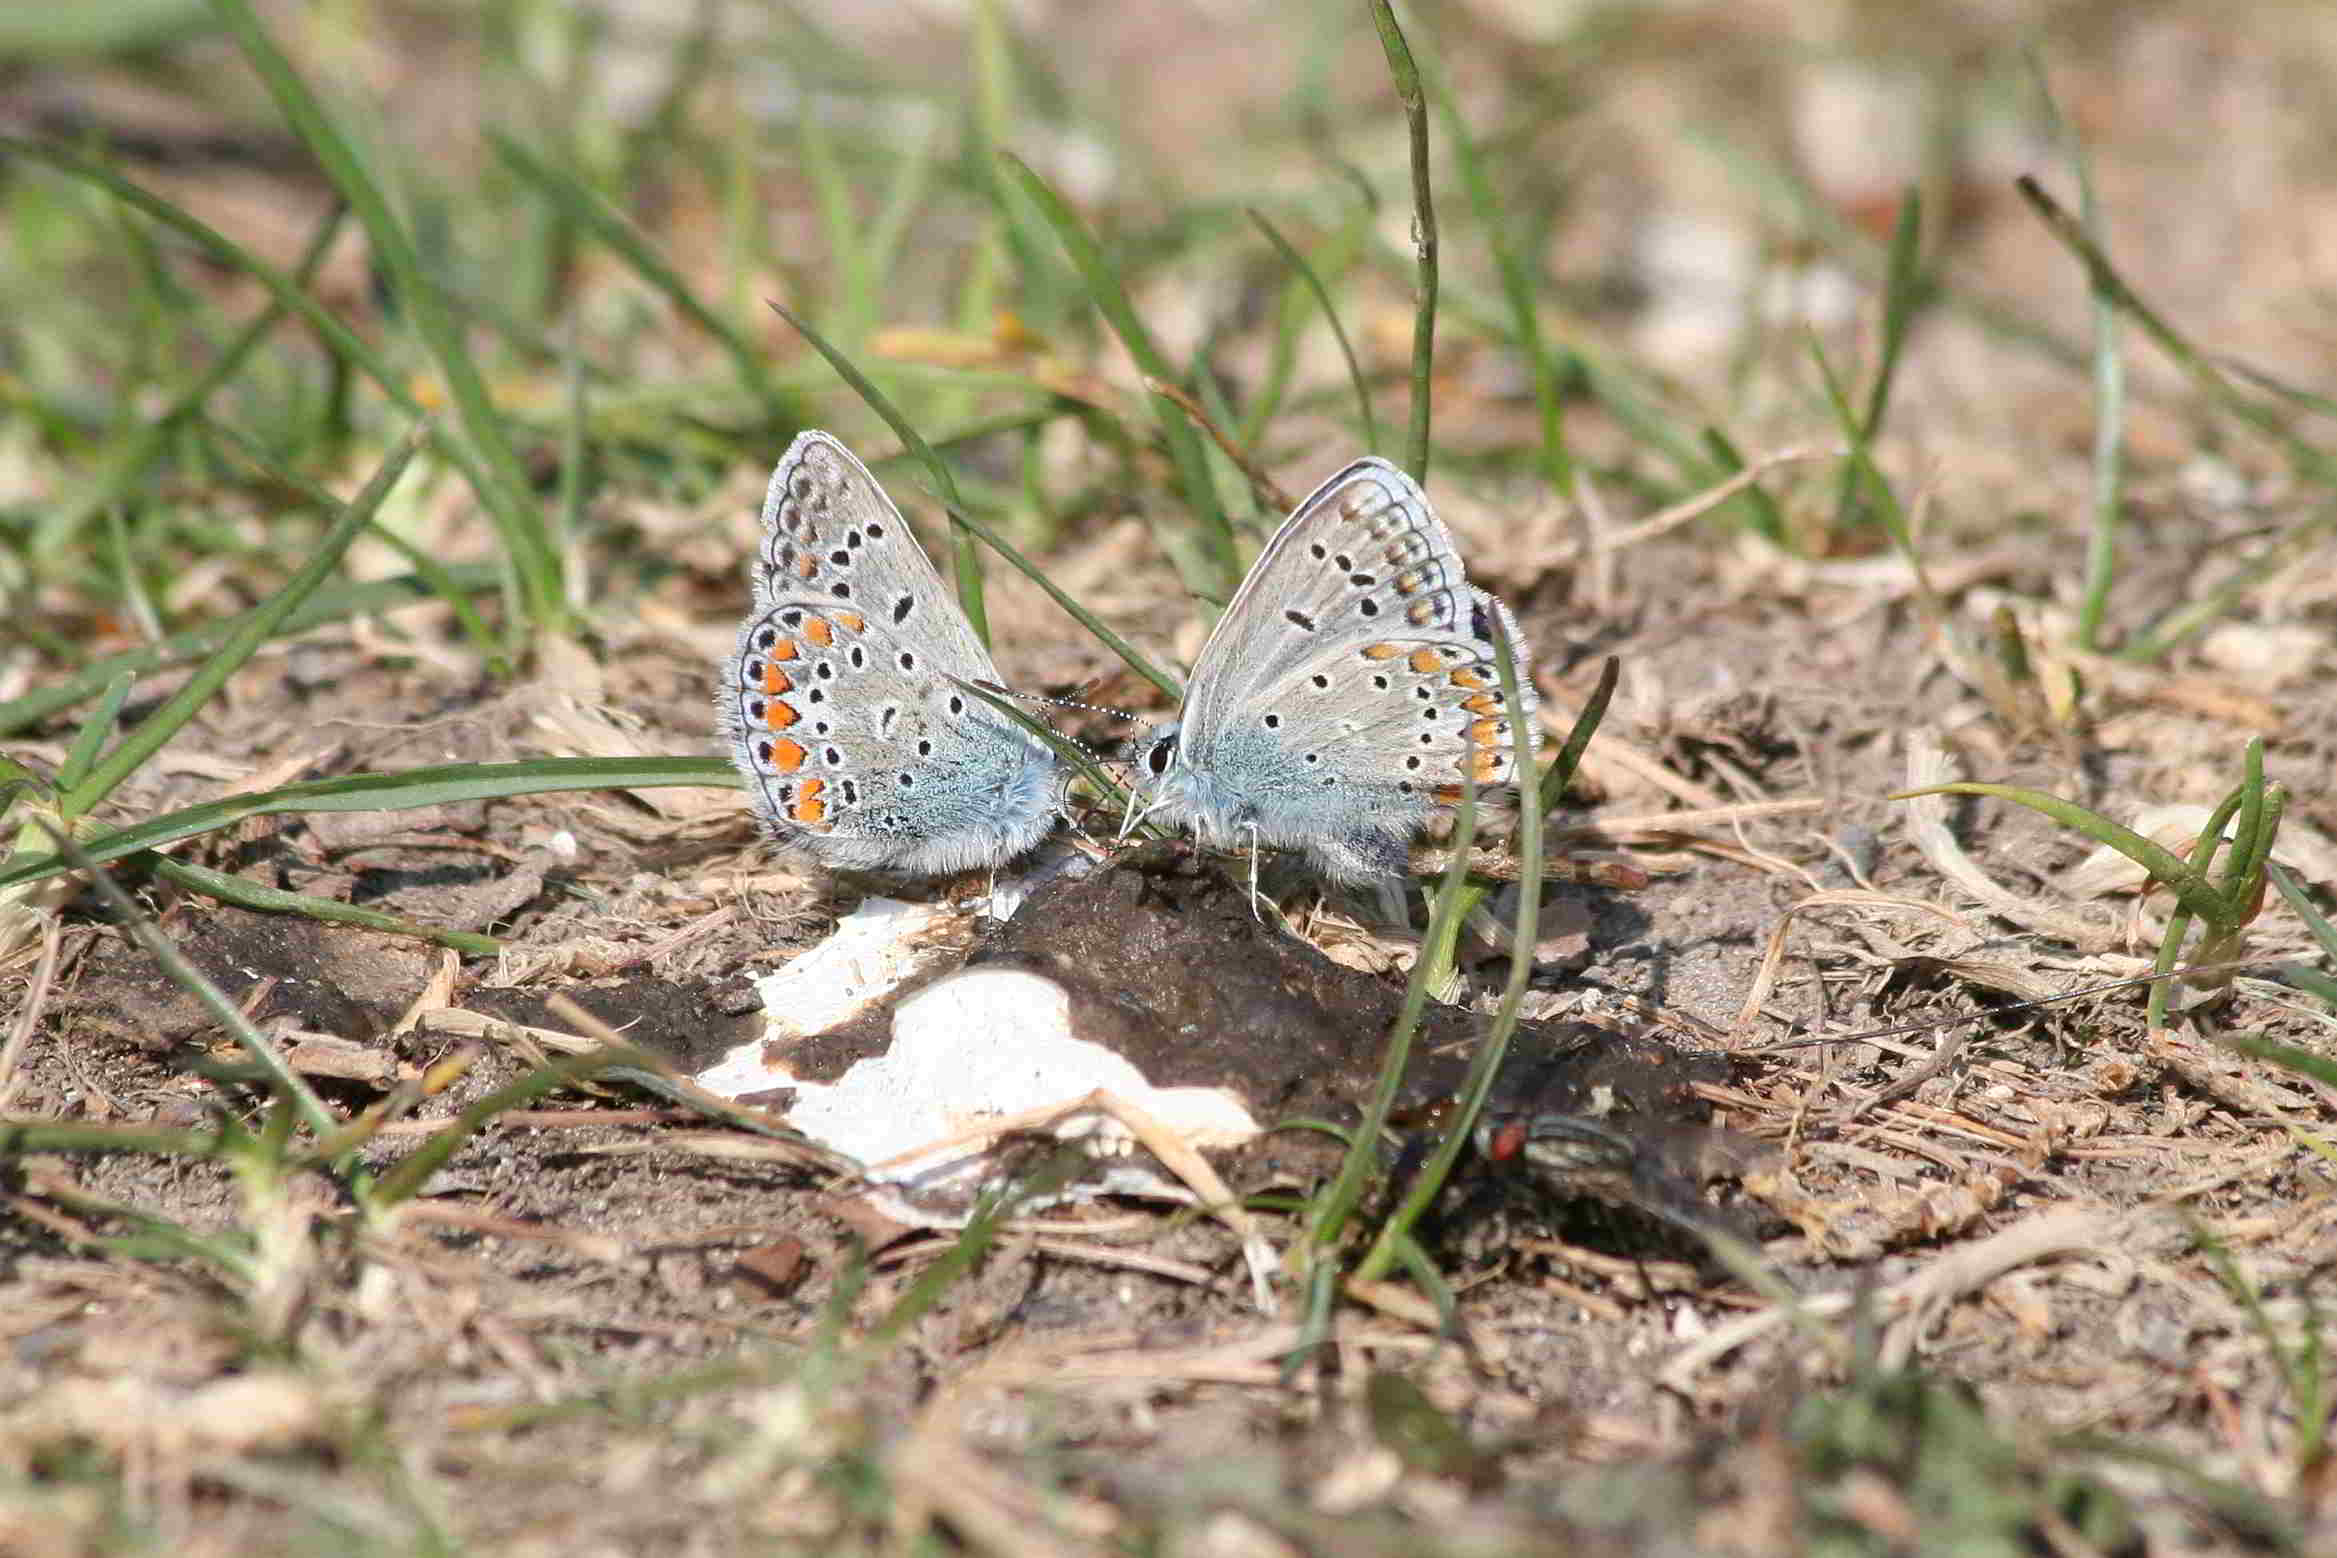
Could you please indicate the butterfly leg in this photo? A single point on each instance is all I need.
(1253, 832)
(1132, 819)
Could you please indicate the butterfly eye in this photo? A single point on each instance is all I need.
(1157, 760)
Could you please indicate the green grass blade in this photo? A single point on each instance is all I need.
(137, 599)
(1412, 1259)
(166, 722)
(2309, 460)
(65, 36)
(2302, 907)
(1205, 560)
(888, 230)
(966, 562)
(90, 739)
(288, 1084)
(1905, 290)
(1335, 1206)
(227, 1255)
(1406, 76)
(2311, 981)
(2314, 982)
(502, 483)
(1859, 467)
(596, 216)
(1485, 1065)
(2109, 374)
(2221, 921)
(2170, 953)
(18, 1137)
(575, 442)
(1560, 773)
(2259, 824)
(2278, 554)
(1306, 273)
(1761, 510)
(405, 1181)
(148, 439)
(248, 894)
(1291, 310)
(1077, 757)
(345, 343)
(334, 605)
(981, 1231)
(2195, 892)
(839, 218)
(1129, 654)
(1790, 202)
(1517, 289)
(445, 581)
(1903, 294)
(2303, 1062)
(405, 791)
(1018, 229)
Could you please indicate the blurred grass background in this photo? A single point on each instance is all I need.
(562, 221)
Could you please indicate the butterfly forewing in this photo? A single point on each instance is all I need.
(1356, 630)
(1351, 687)
(1361, 560)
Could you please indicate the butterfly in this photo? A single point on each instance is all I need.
(846, 708)
(1350, 690)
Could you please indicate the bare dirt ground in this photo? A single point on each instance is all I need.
(2052, 1262)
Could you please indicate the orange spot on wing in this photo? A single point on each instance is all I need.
(1424, 661)
(1484, 765)
(787, 756)
(1449, 794)
(1382, 651)
(1485, 732)
(784, 650)
(852, 621)
(817, 630)
(1481, 703)
(808, 807)
(779, 715)
(776, 681)
(1468, 676)
(806, 566)
(1420, 613)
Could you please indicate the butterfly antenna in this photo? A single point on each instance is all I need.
(996, 691)
(1133, 819)
(1130, 716)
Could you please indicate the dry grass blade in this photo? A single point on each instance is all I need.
(1773, 957)
(1173, 1152)
(33, 1004)
(1267, 489)
(1406, 76)
(1927, 828)
(1907, 1307)
(1670, 519)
